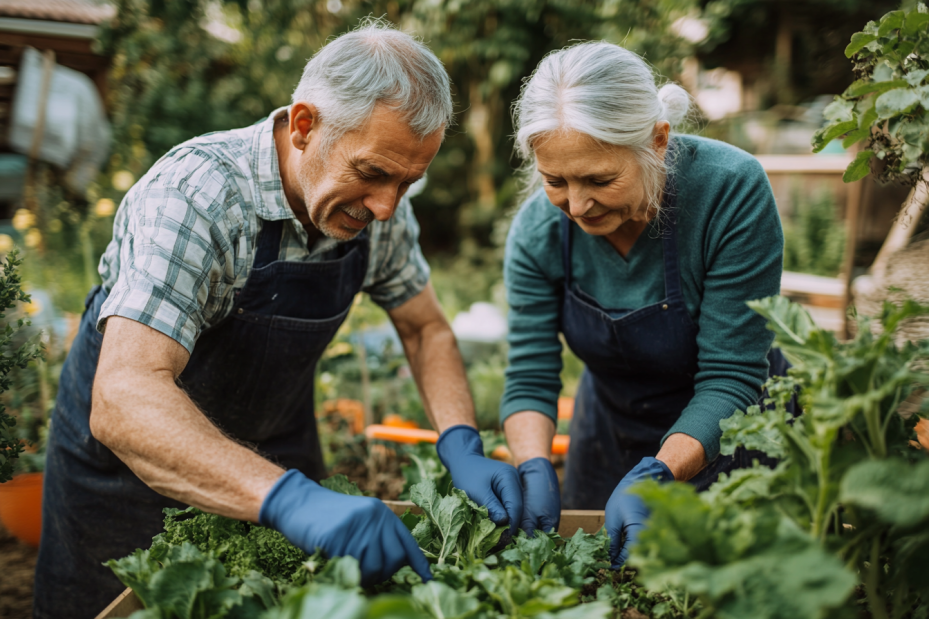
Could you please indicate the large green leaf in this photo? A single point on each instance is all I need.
(866, 86)
(895, 102)
(859, 167)
(824, 136)
(890, 22)
(859, 40)
(740, 562)
(898, 492)
(440, 601)
(915, 23)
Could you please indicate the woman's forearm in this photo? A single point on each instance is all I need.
(684, 455)
(529, 435)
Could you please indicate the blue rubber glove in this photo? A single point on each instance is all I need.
(312, 517)
(486, 481)
(541, 496)
(626, 513)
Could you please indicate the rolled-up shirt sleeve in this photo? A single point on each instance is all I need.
(397, 270)
(172, 256)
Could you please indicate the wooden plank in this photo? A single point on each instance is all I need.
(123, 606)
(571, 519)
(804, 164)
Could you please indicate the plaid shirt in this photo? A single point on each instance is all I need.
(184, 237)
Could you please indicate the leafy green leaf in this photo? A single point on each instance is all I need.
(890, 22)
(859, 40)
(895, 102)
(840, 110)
(341, 484)
(859, 167)
(824, 136)
(440, 601)
(915, 23)
(895, 490)
(915, 77)
(866, 86)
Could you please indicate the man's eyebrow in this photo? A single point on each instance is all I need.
(380, 172)
(372, 167)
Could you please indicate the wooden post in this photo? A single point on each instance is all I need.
(852, 211)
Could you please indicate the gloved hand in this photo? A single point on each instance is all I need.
(626, 513)
(541, 496)
(486, 481)
(312, 517)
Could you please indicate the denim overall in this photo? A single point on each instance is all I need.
(252, 374)
(639, 377)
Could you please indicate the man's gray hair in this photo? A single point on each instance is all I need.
(606, 92)
(375, 63)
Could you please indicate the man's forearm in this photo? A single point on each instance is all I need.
(440, 376)
(151, 425)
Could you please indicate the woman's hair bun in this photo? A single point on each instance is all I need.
(676, 103)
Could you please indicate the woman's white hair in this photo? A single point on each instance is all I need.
(606, 92)
(375, 63)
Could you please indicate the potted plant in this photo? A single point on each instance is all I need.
(20, 496)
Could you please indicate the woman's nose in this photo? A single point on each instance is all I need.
(578, 201)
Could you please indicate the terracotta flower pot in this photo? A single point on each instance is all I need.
(21, 507)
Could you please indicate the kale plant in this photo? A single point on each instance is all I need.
(847, 504)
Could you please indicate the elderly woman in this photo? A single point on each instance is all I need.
(641, 247)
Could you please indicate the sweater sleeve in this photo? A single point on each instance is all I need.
(743, 252)
(533, 379)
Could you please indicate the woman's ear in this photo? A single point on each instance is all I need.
(660, 136)
(304, 118)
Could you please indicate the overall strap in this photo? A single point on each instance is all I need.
(269, 243)
(672, 268)
(566, 249)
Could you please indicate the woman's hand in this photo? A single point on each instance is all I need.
(626, 513)
(529, 436)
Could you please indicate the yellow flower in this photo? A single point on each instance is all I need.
(105, 207)
(6, 243)
(23, 219)
(33, 238)
(32, 308)
(123, 180)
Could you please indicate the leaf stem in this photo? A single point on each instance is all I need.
(872, 578)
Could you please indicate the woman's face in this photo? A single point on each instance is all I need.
(599, 186)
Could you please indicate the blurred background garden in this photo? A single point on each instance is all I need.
(761, 73)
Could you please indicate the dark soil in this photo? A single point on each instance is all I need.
(17, 567)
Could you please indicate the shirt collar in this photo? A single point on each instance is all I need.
(271, 204)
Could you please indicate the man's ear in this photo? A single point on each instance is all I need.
(304, 119)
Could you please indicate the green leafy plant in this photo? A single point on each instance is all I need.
(846, 504)
(12, 356)
(209, 566)
(887, 106)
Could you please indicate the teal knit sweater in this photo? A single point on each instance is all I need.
(730, 247)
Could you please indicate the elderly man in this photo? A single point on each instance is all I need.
(233, 263)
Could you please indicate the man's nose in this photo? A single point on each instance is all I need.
(383, 202)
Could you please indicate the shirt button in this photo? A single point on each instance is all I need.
(664, 307)
(241, 311)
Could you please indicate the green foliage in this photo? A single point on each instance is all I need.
(773, 542)
(341, 483)
(814, 237)
(888, 104)
(12, 356)
(195, 570)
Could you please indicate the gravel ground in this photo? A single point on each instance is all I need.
(17, 565)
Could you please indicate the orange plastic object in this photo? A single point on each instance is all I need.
(922, 432)
(416, 435)
(565, 408)
(396, 421)
(352, 410)
(21, 507)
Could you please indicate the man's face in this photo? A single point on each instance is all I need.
(363, 176)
